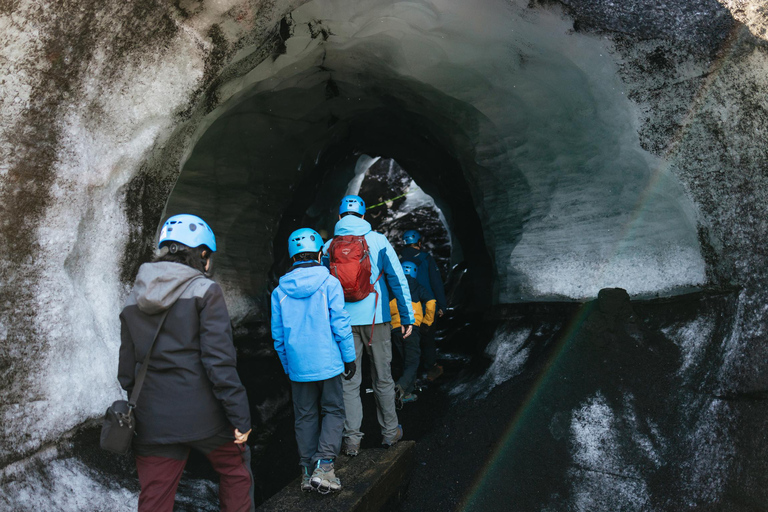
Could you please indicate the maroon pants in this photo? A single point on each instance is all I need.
(160, 468)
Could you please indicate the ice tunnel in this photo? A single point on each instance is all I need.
(571, 146)
(558, 205)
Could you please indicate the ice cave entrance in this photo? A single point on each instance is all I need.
(536, 166)
(397, 204)
(270, 162)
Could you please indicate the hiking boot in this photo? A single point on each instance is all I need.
(350, 448)
(386, 443)
(323, 477)
(398, 397)
(434, 372)
(305, 476)
(410, 397)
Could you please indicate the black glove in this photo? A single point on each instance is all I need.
(349, 370)
(424, 329)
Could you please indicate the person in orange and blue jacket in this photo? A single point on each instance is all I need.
(409, 350)
(429, 278)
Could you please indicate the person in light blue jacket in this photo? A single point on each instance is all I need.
(313, 339)
(370, 318)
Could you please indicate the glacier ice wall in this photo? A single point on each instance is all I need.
(87, 93)
(589, 146)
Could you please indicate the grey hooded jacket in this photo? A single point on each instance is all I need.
(192, 390)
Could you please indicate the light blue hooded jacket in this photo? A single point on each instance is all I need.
(383, 257)
(310, 327)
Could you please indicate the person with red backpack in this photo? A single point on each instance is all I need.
(367, 266)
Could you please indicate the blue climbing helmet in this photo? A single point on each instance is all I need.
(411, 236)
(304, 240)
(354, 204)
(410, 269)
(189, 230)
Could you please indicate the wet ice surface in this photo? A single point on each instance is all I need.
(618, 415)
(509, 357)
(66, 485)
(576, 270)
(602, 478)
(69, 485)
(689, 337)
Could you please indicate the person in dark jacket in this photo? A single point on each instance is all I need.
(313, 338)
(409, 350)
(192, 397)
(429, 277)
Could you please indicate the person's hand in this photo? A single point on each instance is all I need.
(240, 438)
(440, 312)
(406, 330)
(349, 370)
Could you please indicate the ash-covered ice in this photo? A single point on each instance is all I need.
(569, 146)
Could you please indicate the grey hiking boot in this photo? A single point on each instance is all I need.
(399, 393)
(323, 477)
(350, 448)
(305, 476)
(386, 443)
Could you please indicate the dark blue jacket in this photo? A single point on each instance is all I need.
(428, 275)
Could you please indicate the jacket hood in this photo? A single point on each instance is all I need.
(303, 282)
(352, 225)
(158, 285)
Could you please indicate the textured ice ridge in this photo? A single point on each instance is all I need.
(509, 357)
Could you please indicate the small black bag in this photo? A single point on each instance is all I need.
(119, 425)
(118, 428)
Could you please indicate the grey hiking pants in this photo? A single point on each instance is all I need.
(380, 356)
(319, 410)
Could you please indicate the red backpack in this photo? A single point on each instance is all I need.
(351, 265)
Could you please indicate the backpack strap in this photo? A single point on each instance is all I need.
(375, 306)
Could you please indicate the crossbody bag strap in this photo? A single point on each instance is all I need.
(145, 365)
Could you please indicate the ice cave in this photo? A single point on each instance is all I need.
(593, 176)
